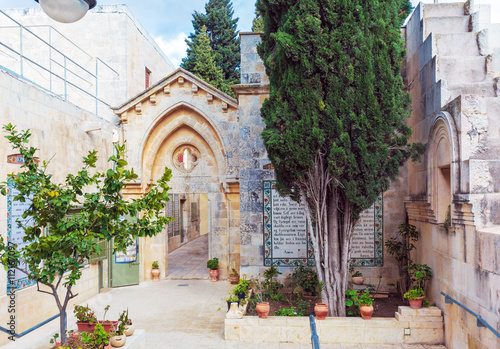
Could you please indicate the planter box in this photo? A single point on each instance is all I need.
(423, 325)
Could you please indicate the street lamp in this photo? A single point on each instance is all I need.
(66, 11)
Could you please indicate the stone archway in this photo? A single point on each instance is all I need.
(182, 120)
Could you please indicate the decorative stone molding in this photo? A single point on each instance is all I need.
(152, 99)
(180, 80)
(224, 107)
(124, 118)
(186, 158)
(210, 98)
(194, 88)
(166, 90)
(138, 108)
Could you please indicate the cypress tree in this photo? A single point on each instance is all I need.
(335, 119)
(204, 64)
(224, 39)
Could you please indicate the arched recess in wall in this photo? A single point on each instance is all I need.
(442, 166)
(181, 117)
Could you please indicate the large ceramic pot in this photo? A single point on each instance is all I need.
(118, 341)
(234, 279)
(129, 330)
(321, 310)
(155, 273)
(416, 303)
(366, 311)
(214, 274)
(263, 309)
(358, 280)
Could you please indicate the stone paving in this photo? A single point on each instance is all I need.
(179, 314)
(189, 262)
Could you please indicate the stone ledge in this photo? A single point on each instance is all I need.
(277, 329)
(136, 341)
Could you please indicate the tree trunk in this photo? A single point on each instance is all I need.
(62, 324)
(331, 226)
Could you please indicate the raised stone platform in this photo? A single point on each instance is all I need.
(424, 326)
(136, 341)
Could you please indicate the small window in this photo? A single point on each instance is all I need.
(148, 78)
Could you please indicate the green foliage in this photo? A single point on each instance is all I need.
(213, 264)
(241, 287)
(155, 265)
(307, 278)
(271, 272)
(74, 342)
(70, 218)
(205, 66)
(97, 339)
(232, 299)
(357, 274)
(415, 293)
(292, 311)
(420, 274)
(364, 299)
(258, 22)
(401, 251)
(234, 272)
(350, 302)
(224, 40)
(84, 314)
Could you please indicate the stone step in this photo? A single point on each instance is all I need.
(485, 89)
(461, 69)
(457, 44)
(444, 10)
(422, 312)
(446, 25)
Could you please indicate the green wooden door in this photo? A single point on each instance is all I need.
(125, 267)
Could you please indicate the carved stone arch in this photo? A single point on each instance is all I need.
(442, 165)
(168, 124)
(171, 109)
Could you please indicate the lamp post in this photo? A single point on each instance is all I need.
(66, 11)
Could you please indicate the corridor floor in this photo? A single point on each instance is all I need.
(189, 262)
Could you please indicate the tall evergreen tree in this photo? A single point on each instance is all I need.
(204, 63)
(335, 119)
(224, 39)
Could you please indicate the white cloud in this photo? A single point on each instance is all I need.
(175, 48)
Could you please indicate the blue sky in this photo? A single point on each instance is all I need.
(169, 21)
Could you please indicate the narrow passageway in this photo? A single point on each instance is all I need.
(189, 262)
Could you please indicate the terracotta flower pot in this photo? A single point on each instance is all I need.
(118, 341)
(129, 330)
(214, 274)
(321, 310)
(263, 309)
(234, 279)
(366, 311)
(358, 280)
(155, 273)
(416, 303)
(85, 327)
(109, 326)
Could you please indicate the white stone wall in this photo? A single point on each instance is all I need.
(451, 73)
(57, 130)
(109, 32)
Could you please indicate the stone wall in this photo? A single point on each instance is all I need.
(109, 35)
(454, 192)
(57, 129)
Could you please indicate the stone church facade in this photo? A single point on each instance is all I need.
(219, 164)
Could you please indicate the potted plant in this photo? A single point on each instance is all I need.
(241, 289)
(357, 278)
(108, 326)
(86, 319)
(262, 307)
(365, 304)
(213, 265)
(155, 271)
(129, 327)
(415, 297)
(118, 339)
(98, 339)
(234, 277)
(232, 299)
(320, 309)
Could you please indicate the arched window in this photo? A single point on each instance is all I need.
(440, 156)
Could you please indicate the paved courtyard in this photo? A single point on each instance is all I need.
(179, 314)
(189, 262)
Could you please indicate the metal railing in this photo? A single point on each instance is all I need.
(60, 68)
(480, 321)
(314, 334)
